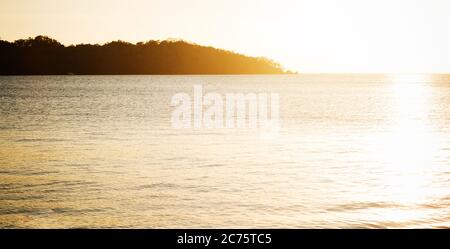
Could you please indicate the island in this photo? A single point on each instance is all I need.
(46, 56)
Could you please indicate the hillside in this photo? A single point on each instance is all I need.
(45, 56)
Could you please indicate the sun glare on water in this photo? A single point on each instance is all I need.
(409, 145)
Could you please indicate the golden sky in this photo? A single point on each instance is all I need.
(398, 36)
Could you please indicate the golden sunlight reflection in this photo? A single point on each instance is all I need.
(352, 151)
(408, 147)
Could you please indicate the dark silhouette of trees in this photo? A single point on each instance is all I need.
(42, 55)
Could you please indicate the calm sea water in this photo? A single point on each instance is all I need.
(99, 151)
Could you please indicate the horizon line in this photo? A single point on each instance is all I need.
(172, 39)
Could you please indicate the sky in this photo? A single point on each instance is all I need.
(310, 36)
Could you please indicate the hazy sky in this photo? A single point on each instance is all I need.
(303, 35)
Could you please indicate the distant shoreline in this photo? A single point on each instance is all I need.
(45, 56)
(248, 74)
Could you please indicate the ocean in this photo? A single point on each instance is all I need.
(351, 151)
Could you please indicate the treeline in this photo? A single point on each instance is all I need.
(45, 56)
